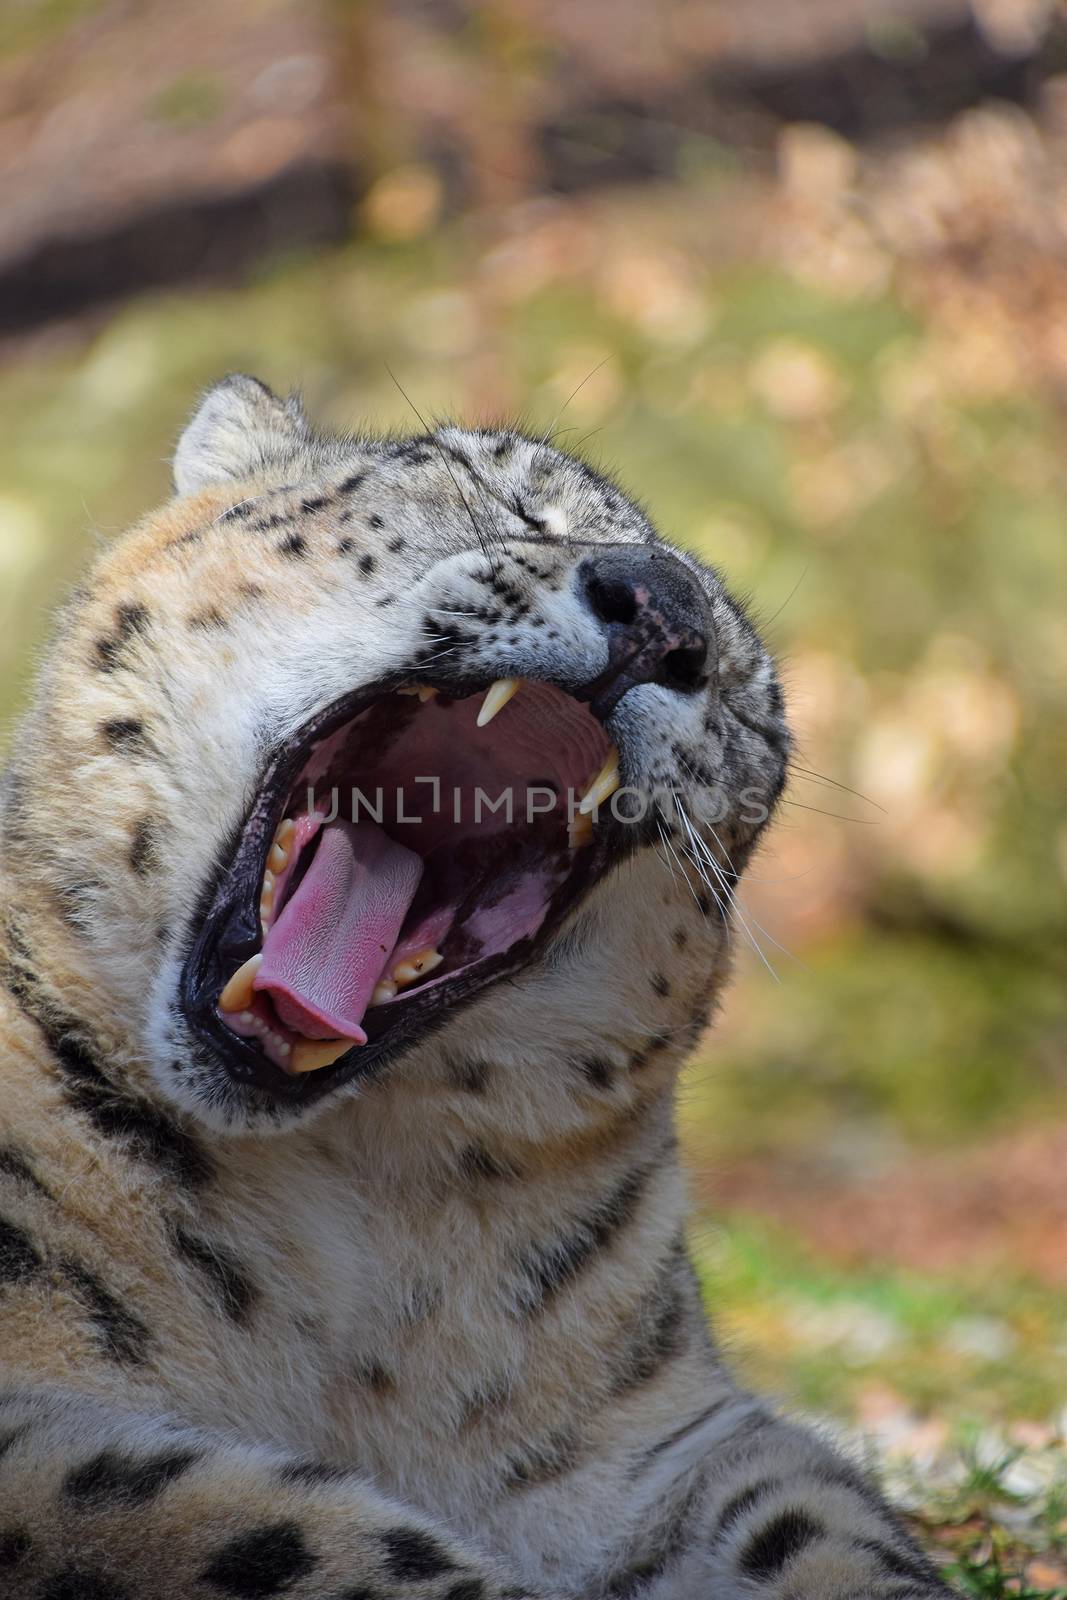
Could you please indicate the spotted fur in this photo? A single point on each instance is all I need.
(437, 1336)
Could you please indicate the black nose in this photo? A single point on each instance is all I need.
(657, 619)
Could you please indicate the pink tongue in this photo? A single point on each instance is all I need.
(327, 950)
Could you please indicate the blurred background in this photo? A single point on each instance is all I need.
(797, 271)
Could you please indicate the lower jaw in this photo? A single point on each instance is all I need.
(423, 1013)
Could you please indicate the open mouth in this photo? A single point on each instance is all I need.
(406, 849)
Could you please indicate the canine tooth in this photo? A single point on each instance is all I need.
(383, 991)
(308, 1055)
(237, 994)
(579, 832)
(496, 698)
(603, 786)
(416, 966)
(278, 859)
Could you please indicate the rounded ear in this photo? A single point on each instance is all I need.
(240, 428)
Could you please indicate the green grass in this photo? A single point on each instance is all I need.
(997, 1519)
(957, 1347)
(939, 1370)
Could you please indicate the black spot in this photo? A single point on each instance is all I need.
(657, 1335)
(350, 483)
(375, 520)
(122, 1334)
(899, 1563)
(114, 1479)
(536, 523)
(776, 737)
(444, 633)
(373, 1376)
(655, 1045)
(386, 600)
(314, 503)
(150, 1134)
(15, 1165)
(241, 512)
(778, 1542)
(470, 1074)
(413, 454)
(704, 904)
(412, 1555)
(544, 1462)
(14, 1546)
(549, 1268)
(663, 1541)
(78, 1583)
(209, 620)
(467, 1589)
(229, 1283)
(597, 1070)
(294, 544)
(268, 524)
(261, 1563)
(131, 619)
(144, 852)
(9, 1437)
(750, 1427)
(367, 563)
(477, 1162)
(125, 734)
(740, 1504)
(396, 545)
(660, 985)
(19, 1256)
(680, 938)
(345, 546)
(678, 1434)
(251, 591)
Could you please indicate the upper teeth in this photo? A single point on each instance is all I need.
(603, 786)
(496, 698)
(425, 691)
